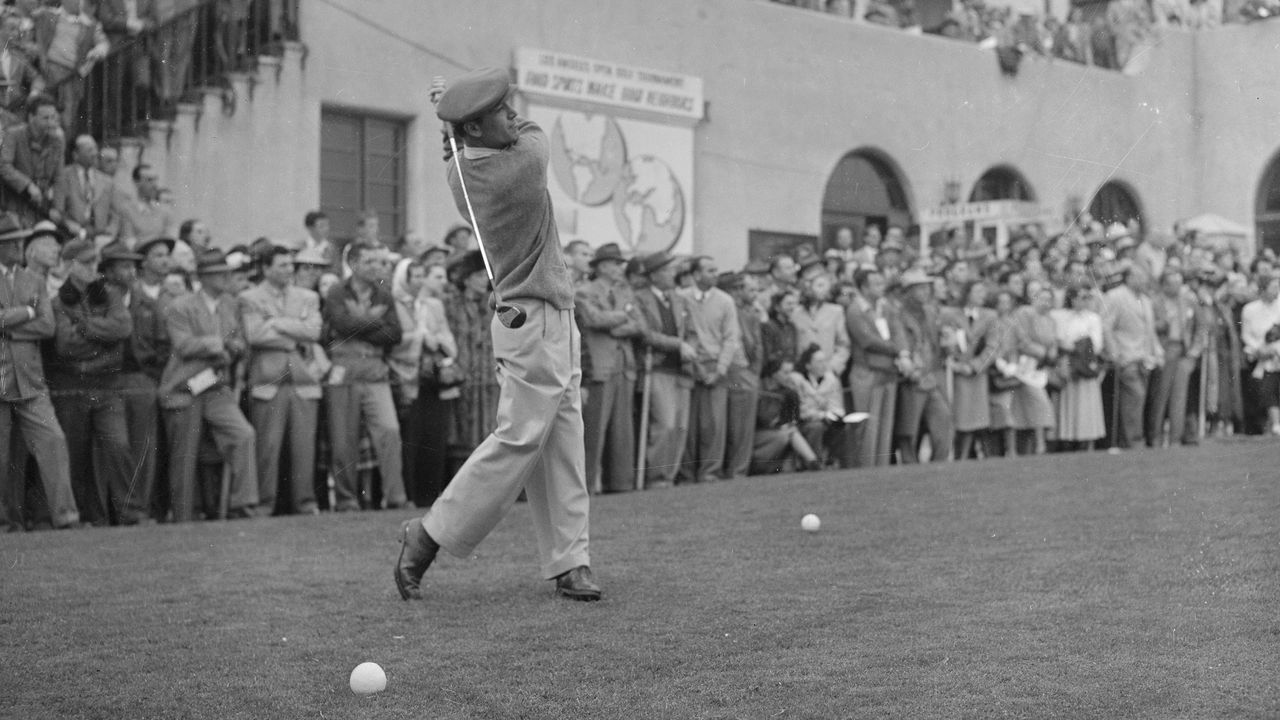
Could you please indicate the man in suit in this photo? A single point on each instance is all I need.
(145, 353)
(743, 377)
(19, 78)
(1182, 339)
(666, 318)
(607, 314)
(713, 332)
(361, 327)
(207, 339)
(143, 217)
(26, 319)
(84, 378)
(83, 195)
(32, 154)
(282, 325)
(1129, 328)
(878, 349)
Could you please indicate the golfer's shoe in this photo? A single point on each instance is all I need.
(578, 584)
(417, 550)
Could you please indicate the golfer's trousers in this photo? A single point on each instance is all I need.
(537, 446)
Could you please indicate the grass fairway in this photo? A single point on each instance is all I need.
(1073, 586)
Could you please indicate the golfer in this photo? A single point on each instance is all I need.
(538, 442)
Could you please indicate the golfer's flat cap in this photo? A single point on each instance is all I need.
(473, 94)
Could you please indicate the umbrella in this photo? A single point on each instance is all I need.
(1210, 224)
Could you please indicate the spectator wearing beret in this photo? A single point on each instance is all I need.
(26, 320)
(84, 371)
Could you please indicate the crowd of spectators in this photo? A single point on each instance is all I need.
(146, 375)
(1106, 38)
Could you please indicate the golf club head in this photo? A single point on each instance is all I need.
(511, 316)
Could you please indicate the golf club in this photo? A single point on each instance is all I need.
(511, 316)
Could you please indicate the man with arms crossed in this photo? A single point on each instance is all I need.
(538, 443)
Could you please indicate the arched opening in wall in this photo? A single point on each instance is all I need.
(1002, 182)
(864, 189)
(1266, 214)
(1116, 202)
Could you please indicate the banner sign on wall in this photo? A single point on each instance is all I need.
(621, 143)
(569, 77)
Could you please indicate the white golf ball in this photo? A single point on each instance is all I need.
(810, 523)
(368, 679)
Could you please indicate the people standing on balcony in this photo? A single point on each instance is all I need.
(145, 217)
(31, 158)
(84, 196)
(172, 49)
(70, 41)
(19, 79)
(233, 33)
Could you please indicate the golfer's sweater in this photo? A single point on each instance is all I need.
(508, 190)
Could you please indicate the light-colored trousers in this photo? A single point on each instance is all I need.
(216, 412)
(875, 393)
(272, 419)
(537, 445)
(708, 423)
(740, 423)
(668, 426)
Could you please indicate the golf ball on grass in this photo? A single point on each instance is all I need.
(810, 523)
(368, 679)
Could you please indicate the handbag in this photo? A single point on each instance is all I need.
(440, 370)
(1083, 361)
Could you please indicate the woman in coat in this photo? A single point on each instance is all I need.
(974, 349)
(1080, 416)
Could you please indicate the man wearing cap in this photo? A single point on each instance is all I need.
(921, 395)
(282, 325)
(606, 312)
(713, 332)
(195, 391)
(665, 318)
(84, 380)
(26, 319)
(361, 328)
(743, 377)
(538, 443)
(145, 353)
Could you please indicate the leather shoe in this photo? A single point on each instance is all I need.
(417, 551)
(578, 584)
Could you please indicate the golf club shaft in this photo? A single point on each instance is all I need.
(475, 226)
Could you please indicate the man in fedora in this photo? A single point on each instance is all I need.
(26, 319)
(84, 377)
(606, 312)
(145, 353)
(666, 317)
(921, 394)
(538, 442)
(195, 391)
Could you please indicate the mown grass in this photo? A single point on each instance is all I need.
(1139, 585)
